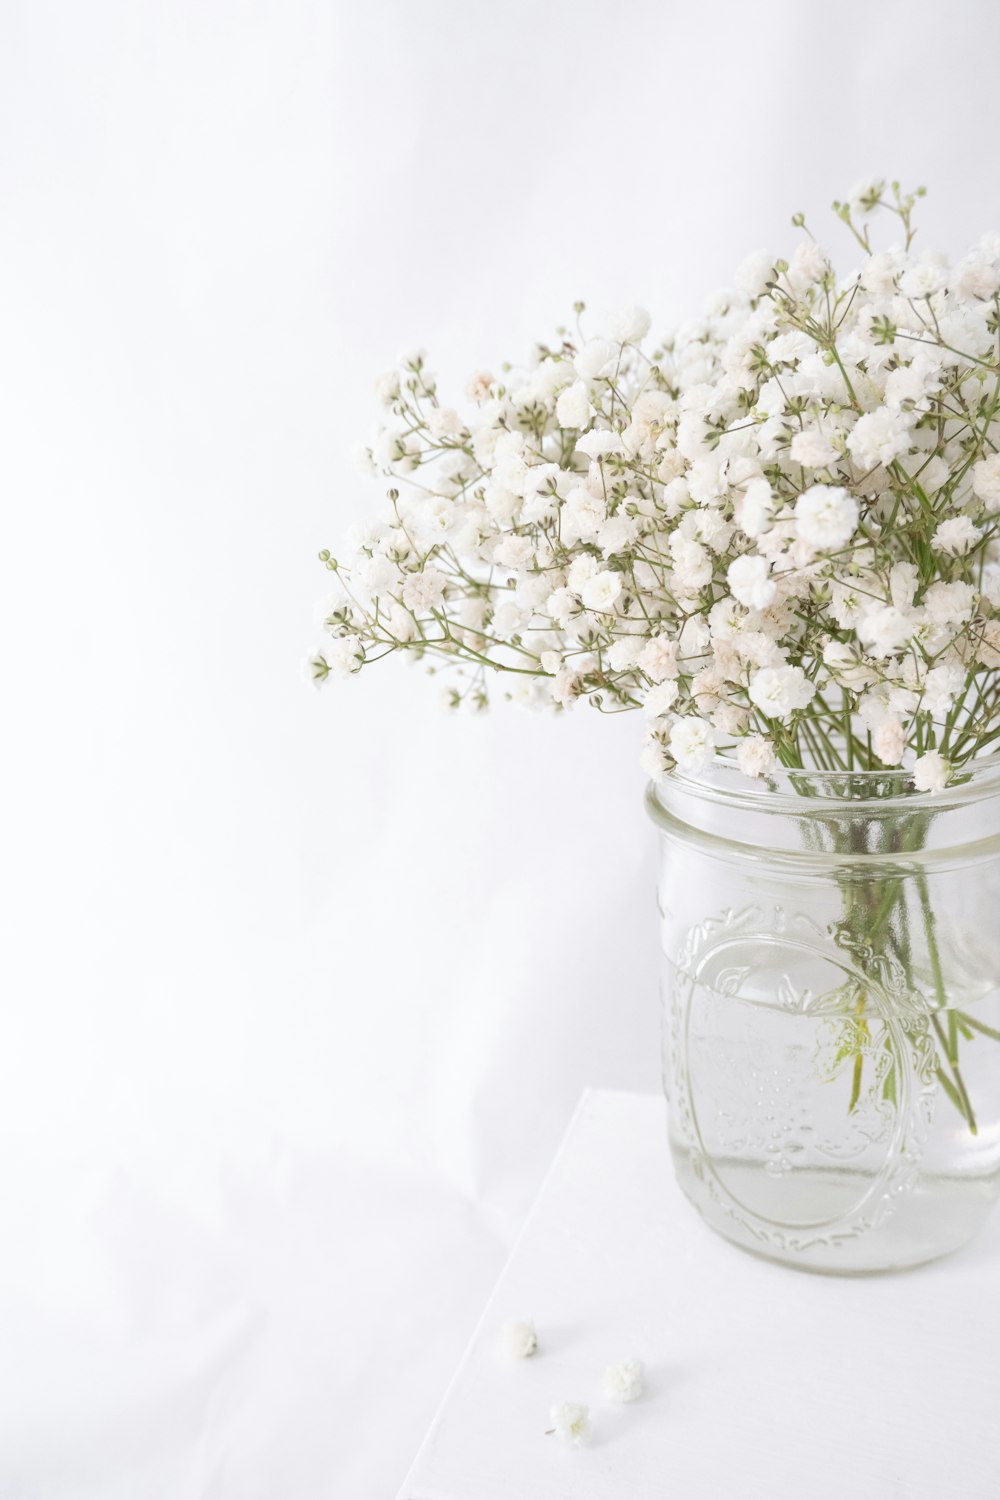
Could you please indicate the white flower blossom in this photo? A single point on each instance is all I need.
(909, 385)
(889, 740)
(624, 1381)
(949, 603)
(631, 325)
(925, 277)
(956, 535)
(988, 645)
(602, 592)
(660, 700)
(443, 421)
(986, 482)
(479, 386)
(573, 408)
(977, 276)
(826, 517)
(787, 514)
(514, 551)
(692, 564)
(624, 653)
(730, 719)
(583, 514)
(375, 575)
(597, 357)
(757, 508)
(387, 387)
(781, 691)
(808, 265)
(425, 590)
(755, 756)
(617, 534)
(570, 1423)
(750, 581)
(509, 618)
(755, 272)
(561, 605)
(692, 741)
(864, 197)
(847, 666)
(811, 449)
(654, 760)
(903, 579)
(599, 442)
(566, 687)
(941, 688)
(345, 654)
(878, 437)
(885, 630)
(394, 449)
(931, 772)
(657, 658)
(519, 1339)
(882, 700)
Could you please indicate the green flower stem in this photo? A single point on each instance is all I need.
(949, 1041)
(976, 1025)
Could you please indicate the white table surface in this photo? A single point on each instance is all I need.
(762, 1383)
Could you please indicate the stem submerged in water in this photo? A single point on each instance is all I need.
(955, 1086)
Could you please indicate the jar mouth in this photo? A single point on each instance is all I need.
(806, 793)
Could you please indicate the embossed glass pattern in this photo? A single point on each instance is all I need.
(831, 1010)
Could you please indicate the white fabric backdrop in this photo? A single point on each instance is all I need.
(301, 989)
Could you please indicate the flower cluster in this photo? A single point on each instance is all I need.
(570, 1423)
(773, 533)
(519, 1339)
(624, 1381)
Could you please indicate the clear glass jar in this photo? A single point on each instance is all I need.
(831, 993)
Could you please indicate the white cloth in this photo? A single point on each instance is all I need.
(759, 1381)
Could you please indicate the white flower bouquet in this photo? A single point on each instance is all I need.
(774, 533)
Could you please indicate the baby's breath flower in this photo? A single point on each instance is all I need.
(986, 482)
(425, 590)
(889, 740)
(956, 535)
(755, 272)
(601, 592)
(570, 1423)
(624, 1381)
(595, 358)
(631, 325)
(825, 517)
(755, 756)
(345, 655)
(660, 699)
(987, 646)
(931, 772)
(479, 386)
(748, 578)
(943, 684)
(811, 449)
(781, 691)
(878, 437)
(657, 658)
(573, 407)
(778, 535)
(519, 1339)
(387, 387)
(692, 741)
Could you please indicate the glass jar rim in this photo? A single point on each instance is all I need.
(805, 793)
